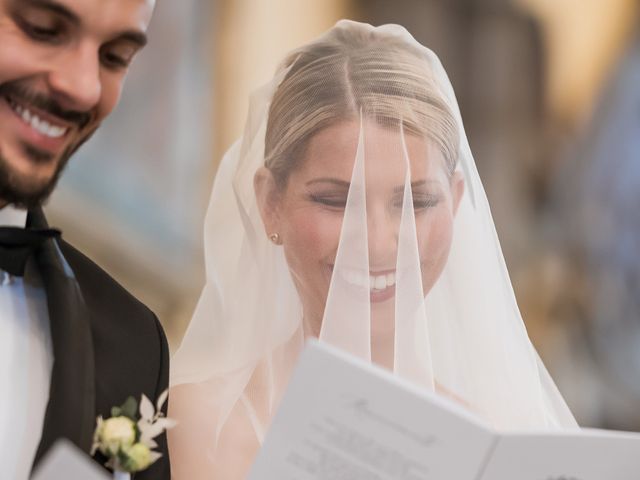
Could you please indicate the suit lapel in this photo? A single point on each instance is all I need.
(71, 409)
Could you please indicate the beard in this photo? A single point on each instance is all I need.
(24, 191)
(27, 192)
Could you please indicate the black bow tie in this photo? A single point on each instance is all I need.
(17, 244)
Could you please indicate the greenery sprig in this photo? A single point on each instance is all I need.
(127, 437)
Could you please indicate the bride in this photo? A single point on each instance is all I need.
(350, 210)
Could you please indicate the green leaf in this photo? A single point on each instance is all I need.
(123, 460)
(116, 412)
(130, 408)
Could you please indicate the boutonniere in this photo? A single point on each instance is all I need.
(127, 437)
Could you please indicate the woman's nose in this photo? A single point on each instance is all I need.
(382, 233)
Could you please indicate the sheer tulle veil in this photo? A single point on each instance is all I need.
(351, 210)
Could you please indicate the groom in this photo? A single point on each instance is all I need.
(73, 343)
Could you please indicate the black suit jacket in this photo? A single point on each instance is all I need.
(107, 346)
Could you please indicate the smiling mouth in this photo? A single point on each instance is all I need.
(374, 281)
(47, 128)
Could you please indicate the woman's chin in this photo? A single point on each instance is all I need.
(383, 319)
(382, 295)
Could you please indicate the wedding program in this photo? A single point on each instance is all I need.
(344, 419)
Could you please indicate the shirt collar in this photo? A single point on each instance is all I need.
(11, 216)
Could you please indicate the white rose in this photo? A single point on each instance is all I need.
(138, 458)
(115, 434)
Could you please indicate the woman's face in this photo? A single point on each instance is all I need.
(308, 213)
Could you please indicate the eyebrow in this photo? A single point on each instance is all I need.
(414, 185)
(333, 181)
(134, 36)
(53, 7)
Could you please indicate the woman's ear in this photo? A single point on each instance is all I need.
(457, 189)
(268, 199)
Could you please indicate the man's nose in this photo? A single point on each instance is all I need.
(75, 78)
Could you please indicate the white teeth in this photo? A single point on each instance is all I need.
(42, 126)
(56, 132)
(391, 279)
(372, 282)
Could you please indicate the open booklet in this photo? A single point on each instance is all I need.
(342, 418)
(65, 461)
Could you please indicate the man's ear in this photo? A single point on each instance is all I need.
(457, 189)
(268, 198)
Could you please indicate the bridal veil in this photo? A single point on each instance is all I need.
(351, 210)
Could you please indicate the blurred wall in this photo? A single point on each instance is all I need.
(567, 303)
(253, 37)
(583, 41)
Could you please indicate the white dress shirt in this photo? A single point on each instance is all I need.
(26, 358)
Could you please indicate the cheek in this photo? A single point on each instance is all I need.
(435, 232)
(310, 237)
(18, 59)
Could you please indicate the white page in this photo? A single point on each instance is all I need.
(342, 418)
(584, 455)
(65, 461)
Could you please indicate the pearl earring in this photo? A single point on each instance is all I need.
(275, 238)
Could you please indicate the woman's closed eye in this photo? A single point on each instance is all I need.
(338, 201)
(421, 201)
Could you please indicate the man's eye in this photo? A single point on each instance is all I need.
(117, 56)
(115, 61)
(42, 32)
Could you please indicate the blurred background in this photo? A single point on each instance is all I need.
(550, 96)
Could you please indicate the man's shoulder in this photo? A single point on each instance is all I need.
(99, 288)
(124, 330)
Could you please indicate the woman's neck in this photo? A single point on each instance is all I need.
(382, 340)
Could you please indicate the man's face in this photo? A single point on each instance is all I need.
(62, 66)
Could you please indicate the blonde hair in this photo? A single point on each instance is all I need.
(351, 71)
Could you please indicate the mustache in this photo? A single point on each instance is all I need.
(42, 102)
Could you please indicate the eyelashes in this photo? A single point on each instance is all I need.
(115, 61)
(47, 32)
(332, 201)
(421, 202)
